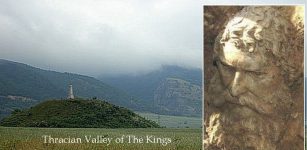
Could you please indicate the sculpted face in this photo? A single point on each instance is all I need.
(250, 99)
(248, 89)
(247, 70)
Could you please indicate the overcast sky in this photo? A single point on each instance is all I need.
(94, 37)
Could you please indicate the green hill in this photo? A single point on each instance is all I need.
(76, 114)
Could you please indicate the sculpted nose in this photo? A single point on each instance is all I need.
(238, 84)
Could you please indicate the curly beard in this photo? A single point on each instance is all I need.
(247, 122)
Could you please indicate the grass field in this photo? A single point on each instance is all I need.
(32, 138)
(173, 121)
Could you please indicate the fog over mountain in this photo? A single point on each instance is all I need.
(105, 37)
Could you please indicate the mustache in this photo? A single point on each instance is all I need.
(262, 105)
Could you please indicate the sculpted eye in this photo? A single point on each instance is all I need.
(226, 67)
(217, 63)
(249, 44)
(226, 72)
(235, 34)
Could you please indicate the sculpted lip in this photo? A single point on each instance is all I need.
(249, 100)
(252, 104)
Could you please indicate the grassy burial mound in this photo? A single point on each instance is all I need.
(77, 113)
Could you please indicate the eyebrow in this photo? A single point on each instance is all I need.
(242, 67)
(235, 33)
(236, 29)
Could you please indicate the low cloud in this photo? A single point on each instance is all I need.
(102, 37)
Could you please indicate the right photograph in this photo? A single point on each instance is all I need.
(253, 77)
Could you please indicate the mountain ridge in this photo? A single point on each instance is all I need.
(18, 79)
(144, 86)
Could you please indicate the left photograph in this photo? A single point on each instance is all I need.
(100, 75)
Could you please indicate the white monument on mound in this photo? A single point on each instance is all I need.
(70, 93)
